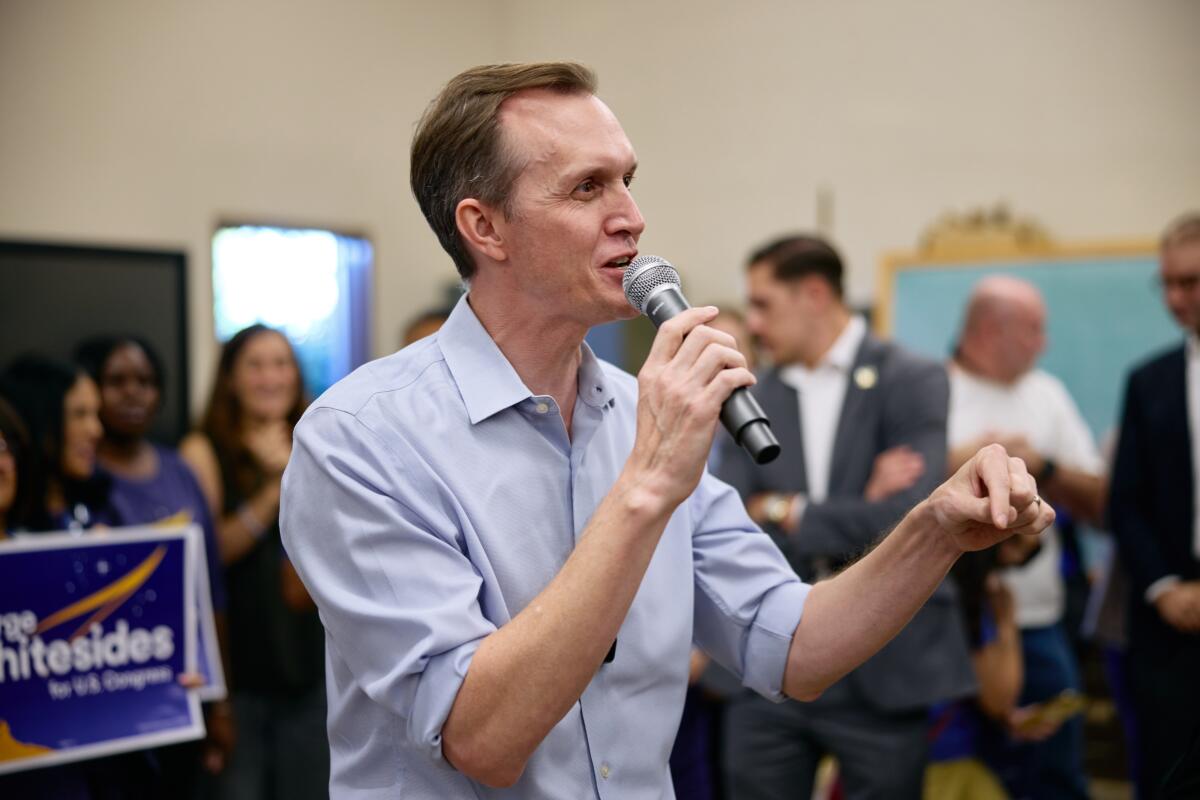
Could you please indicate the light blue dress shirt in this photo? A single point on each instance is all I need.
(430, 496)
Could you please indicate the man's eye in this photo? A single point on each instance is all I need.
(628, 179)
(587, 187)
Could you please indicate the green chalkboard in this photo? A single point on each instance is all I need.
(1105, 314)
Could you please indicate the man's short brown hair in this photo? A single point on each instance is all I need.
(1184, 230)
(799, 255)
(458, 150)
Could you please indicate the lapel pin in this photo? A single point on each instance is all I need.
(865, 377)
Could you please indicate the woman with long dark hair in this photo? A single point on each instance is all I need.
(60, 406)
(276, 640)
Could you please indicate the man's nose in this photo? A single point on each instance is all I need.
(626, 217)
(753, 324)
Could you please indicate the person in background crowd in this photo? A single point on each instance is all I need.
(60, 406)
(862, 425)
(956, 770)
(1155, 515)
(152, 485)
(998, 395)
(14, 454)
(276, 643)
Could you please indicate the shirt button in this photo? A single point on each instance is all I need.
(604, 770)
(542, 408)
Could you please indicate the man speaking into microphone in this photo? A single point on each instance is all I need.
(513, 545)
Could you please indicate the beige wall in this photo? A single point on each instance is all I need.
(1078, 112)
(144, 123)
(147, 122)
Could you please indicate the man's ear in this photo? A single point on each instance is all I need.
(801, 290)
(816, 290)
(476, 226)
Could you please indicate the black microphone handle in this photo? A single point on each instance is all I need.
(741, 414)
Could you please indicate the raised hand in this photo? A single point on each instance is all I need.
(990, 498)
(689, 373)
(271, 446)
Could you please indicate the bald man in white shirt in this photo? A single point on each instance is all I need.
(997, 394)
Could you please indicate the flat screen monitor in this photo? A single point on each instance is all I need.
(53, 296)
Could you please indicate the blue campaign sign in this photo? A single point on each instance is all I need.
(94, 632)
(208, 649)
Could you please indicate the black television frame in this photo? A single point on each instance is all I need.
(177, 362)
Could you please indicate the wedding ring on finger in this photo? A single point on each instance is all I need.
(1037, 498)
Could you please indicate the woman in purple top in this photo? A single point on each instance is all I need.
(150, 484)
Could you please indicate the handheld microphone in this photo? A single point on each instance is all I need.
(652, 287)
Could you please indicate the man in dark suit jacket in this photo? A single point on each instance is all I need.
(862, 425)
(1156, 518)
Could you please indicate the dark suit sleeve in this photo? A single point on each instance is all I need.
(1129, 495)
(914, 415)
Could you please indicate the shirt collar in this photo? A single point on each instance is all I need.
(485, 378)
(487, 382)
(840, 355)
(593, 385)
(1192, 347)
(845, 347)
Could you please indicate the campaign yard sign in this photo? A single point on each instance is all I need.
(208, 649)
(95, 630)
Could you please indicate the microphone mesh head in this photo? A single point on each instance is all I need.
(645, 274)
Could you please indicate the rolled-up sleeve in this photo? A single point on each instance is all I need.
(748, 600)
(362, 523)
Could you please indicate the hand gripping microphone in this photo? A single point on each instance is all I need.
(652, 287)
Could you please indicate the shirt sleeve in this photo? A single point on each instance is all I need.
(1160, 587)
(748, 601)
(363, 521)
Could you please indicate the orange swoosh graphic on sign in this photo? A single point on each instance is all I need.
(99, 616)
(12, 749)
(120, 588)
